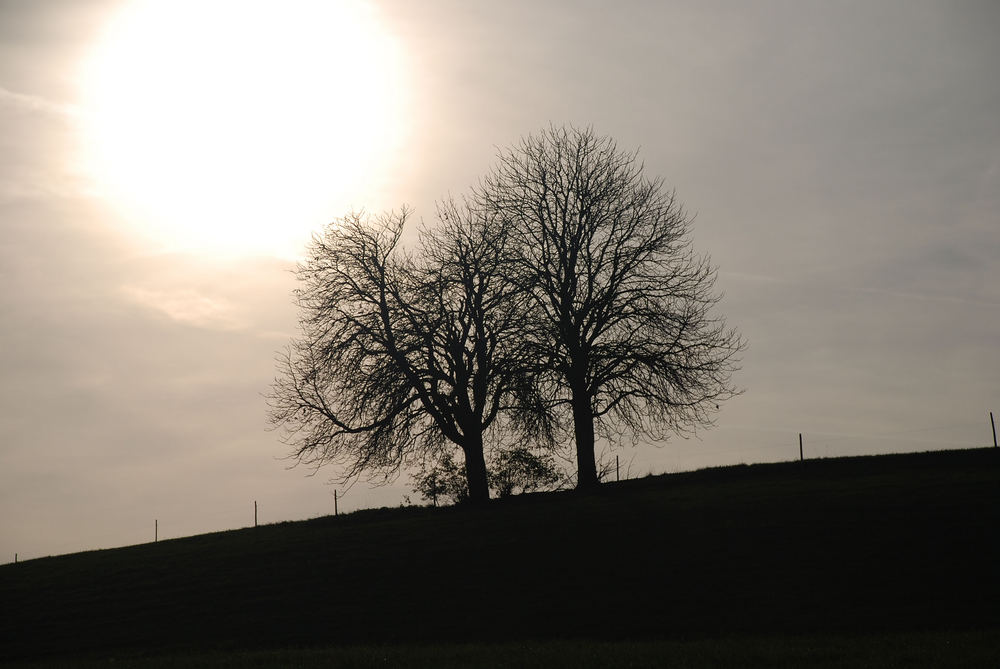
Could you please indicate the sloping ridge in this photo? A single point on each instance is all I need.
(905, 542)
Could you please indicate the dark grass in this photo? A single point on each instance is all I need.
(846, 553)
(940, 650)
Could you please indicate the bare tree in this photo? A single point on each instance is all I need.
(625, 332)
(400, 356)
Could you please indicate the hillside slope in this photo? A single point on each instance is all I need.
(886, 543)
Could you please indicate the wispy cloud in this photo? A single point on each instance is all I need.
(188, 307)
(37, 161)
(814, 284)
(954, 299)
(35, 103)
(751, 276)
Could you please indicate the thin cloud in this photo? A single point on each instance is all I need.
(751, 276)
(35, 103)
(187, 307)
(954, 299)
(36, 162)
(906, 295)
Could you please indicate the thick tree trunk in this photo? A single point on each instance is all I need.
(583, 427)
(475, 469)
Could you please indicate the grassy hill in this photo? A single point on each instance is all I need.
(887, 545)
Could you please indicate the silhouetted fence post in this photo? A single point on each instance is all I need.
(994, 426)
(156, 531)
(801, 456)
(255, 513)
(15, 558)
(335, 502)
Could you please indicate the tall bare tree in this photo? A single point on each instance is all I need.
(625, 332)
(400, 355)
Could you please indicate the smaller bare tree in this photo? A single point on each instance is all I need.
(398, 356)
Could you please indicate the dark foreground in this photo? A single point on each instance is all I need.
(823, 563)
(947, 650)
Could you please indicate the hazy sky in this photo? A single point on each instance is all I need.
(842, 158)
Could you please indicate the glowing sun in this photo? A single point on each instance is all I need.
(233, 127)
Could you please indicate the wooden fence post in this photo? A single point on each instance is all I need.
(255, 513)
(156, 531)
(994, 426)
(801, 456)
(335, 503)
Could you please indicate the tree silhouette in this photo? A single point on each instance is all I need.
(623, 330)
(402, 354)
(513, 470)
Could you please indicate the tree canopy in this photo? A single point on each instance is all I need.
(563, 291)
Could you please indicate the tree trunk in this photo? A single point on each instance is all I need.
(583, 427)
(475, 469)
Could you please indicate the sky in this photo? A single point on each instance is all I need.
(162, 165)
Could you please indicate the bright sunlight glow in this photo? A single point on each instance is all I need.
(239, 126)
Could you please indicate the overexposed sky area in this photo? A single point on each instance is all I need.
(162, 163)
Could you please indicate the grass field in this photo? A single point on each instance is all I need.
(879, 561)
(935, 649)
